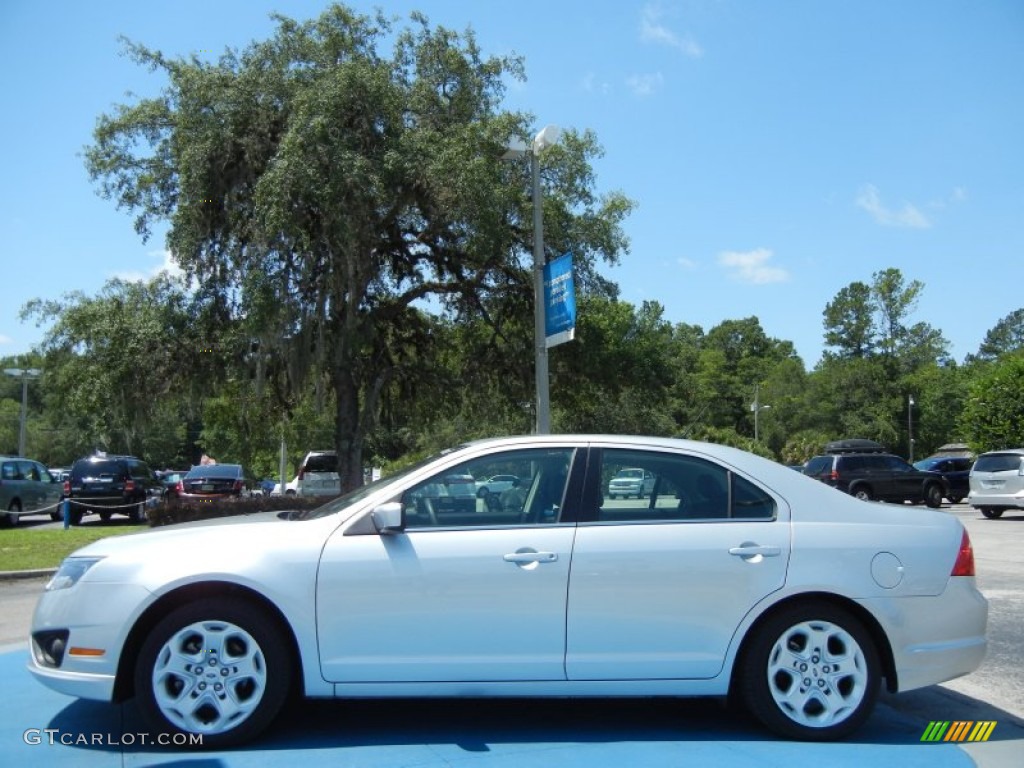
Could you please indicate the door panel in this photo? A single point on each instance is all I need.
(657, 601)
(444, 605)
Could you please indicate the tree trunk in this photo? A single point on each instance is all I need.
(347, 438)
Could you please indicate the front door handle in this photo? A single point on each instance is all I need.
(531, 557)
(753, 553)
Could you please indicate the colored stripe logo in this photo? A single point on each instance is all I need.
(958, 730)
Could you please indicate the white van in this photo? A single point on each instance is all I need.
(318, 475)
(997, 482)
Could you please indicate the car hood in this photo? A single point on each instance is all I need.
(241, 548)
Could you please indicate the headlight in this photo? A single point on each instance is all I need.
(70, 571)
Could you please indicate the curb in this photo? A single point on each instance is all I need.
(37, 573)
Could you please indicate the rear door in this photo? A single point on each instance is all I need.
(660, 584)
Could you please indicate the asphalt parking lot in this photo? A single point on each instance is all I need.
(41, 727)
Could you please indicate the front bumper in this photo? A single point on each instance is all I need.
(97, 618)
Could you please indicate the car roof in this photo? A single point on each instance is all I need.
(1018, 451)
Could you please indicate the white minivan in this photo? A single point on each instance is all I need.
(997, 482)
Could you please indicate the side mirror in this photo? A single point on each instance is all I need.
(388, 518)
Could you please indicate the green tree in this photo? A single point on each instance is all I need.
(324, 191)
(849, 322)
(1005, 336)
(128, 367)
(993, 415)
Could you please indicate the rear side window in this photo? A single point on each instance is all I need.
(819, 465)
(998, 462)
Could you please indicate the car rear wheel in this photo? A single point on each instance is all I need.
(862, 492)
(137, 513)
(214, 667)
(933, 496)
(811, 672)
(955, 498)
(10, 518)
(991, 512)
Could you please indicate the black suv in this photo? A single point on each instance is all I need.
(864, 469)
(109, 484)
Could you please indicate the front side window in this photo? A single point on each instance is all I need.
(674, 488)
(526, 487)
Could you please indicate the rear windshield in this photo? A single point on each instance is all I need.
(322, 462)
(998, 462)
(215, 470)
(101, 468)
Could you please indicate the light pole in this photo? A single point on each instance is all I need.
(26, 375)
(756, 407)
(910, 426)
(517, 148)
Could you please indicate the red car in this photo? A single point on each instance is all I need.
(211, 481)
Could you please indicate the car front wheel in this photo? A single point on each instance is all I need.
(992, 513)
(217, 668)
(811, 672)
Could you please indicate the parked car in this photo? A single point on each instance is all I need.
(170, 479)
(27, 488)
(631, 481)
(727, 581)
(955, 469)
(496, 484)
(111, 484)
(863, 469)
(997, 482)
(318, 475)
(205, 482)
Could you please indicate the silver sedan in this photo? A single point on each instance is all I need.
(731, 575)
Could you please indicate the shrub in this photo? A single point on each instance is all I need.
(188, 510)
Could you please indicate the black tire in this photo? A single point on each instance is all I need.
(214, 632)
(9, 519)
(137, 513)
(837, 673)
(862, 492)
(955, 498)
(933, 495)
(992, 513)
(105, 516)
(76, 515)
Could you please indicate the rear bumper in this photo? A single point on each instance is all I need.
(982, 499)
(935, 638)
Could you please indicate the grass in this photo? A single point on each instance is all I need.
(24, 549)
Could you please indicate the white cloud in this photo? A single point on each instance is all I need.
(908, 216)
(592, 85)
(752, 266)
(645, 85)
(6, 339)
(167, 264)
(687, 264)
(652, 30)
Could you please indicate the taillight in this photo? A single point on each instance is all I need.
(834, 476)
(180, 487)
(67, 487)
(237, 487)
(302, 471)
(129, 486)
(964, 565)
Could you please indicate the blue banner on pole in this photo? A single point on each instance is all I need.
(559, 301)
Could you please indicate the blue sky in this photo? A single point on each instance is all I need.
(777, 151)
